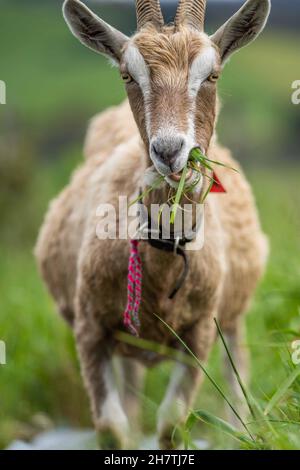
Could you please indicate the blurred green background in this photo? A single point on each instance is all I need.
(54, 86)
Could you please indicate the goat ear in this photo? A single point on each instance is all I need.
(92, 31)
(242, 28)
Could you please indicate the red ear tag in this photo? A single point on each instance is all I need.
(217, 186)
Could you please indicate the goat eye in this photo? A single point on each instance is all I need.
(126, 77)
(213, 77)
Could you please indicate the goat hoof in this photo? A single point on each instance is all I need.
(110, 439)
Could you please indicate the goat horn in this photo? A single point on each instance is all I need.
(191, 12)
(149, 11)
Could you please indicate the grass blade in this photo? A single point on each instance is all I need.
(258, 411)
(282, 390)
(211, 379)
(197, 155)
(178, 195)
(218, 423)
(207, 191)
(236, 372)
(155, 185)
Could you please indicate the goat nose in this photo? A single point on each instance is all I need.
(167, 150)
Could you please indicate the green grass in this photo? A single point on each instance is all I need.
(54, 86)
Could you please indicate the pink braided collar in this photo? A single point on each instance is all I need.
(134, 289)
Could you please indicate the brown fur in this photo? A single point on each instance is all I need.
(169, 55)
(87, 277)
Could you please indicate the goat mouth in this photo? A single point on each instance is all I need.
(177, 176)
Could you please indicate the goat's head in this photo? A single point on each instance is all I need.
(170, 71)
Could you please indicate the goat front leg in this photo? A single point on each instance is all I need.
(184, 383)
(133, 374)
(97, 370)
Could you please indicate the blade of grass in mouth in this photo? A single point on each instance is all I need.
(155, 185)
(178, 194)
(197, 155)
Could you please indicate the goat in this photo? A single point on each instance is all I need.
(170, 74)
